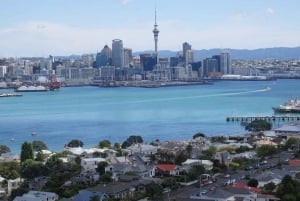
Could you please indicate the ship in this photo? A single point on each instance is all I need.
(9, 95)
(54, 84)
(38, 88)
(291, 106)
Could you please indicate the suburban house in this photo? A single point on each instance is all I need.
(120, 190)
(166, 170)
(207, 164)
(13, 184)
(142, 149)
(91, 163)
(85, 195)
(37, 196)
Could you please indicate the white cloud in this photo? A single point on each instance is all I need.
(125, 2)
(44, 38)
(269, 11)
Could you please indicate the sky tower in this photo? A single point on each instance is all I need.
(155, 33)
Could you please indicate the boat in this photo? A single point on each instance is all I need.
(9, 95)
(38, 88)
(291, 106)
(54, 84)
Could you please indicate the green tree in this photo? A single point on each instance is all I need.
(101, 167)
(269, 188)
(209, 153)
(26, 151)
(292, 143)
(258, 125)
(252, 183)
(189, 150)
(133, 139)
(75, 143)
(40, 156)
(198, 135)
(180, 158)
(10, 170)
(39, 145)
(265, 150)
(54, 162)
(154, 190)
(31, 169)
(4, 149)
(104, 144)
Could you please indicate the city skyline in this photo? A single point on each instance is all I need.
(32, 28)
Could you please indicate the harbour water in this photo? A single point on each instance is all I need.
(92, 114)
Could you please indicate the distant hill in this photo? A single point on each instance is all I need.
(280, 53)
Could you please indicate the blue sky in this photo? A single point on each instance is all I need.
(64, 27)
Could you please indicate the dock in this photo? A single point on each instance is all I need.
(277, 118)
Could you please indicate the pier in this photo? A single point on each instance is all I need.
(266, 118)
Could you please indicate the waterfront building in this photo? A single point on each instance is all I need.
(187, 53)
(86, 60)
(3, 71)
(225, 63)
(148, 61)
(210, 66)
(103, 58)
(218, 58)
(127, 57)
(117, 53)
(177, 61)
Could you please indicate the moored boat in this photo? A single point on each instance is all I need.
(291, 106)
(39, 88)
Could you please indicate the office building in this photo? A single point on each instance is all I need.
(117, 53)
(225, 63)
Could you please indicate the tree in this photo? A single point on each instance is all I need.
(180, 158)
(189, 150)
(104, 144)
(54, 163)
(291, 143)
(10, 170)
(258, 125)
(154, 190)
(39, 145)
(31, 169)
(133, 139)
(252, 183)
(269, 188)
(265, 150)
(101, 167)
(75, 143)
(4, 149)
(209, 153)
(26, 151)
(198, 135)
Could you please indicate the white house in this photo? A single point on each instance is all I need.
(13, 184)
(91, 163)
(37, 196)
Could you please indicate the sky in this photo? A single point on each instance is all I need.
(65, 27)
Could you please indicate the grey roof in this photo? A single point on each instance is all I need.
(289, 128)
(85, 195)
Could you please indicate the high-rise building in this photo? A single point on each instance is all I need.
(155, 33)
(225, 63)
(117, 53)
(127, 57)
(210, 65)
(187, 53)
(103, 58)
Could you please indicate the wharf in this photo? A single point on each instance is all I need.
(276, 118)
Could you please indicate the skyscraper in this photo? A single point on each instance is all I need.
(225, 63)
(103, 58)
(187, 53)
(117, 53)
(155, 33)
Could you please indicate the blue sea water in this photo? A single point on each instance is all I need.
(92, 114)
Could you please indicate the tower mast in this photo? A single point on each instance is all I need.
(155, 33)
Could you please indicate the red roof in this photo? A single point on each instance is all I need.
(245, 186)
(166, 167)
(294, 162)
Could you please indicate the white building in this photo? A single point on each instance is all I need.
(91, 163)
(37, 196)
